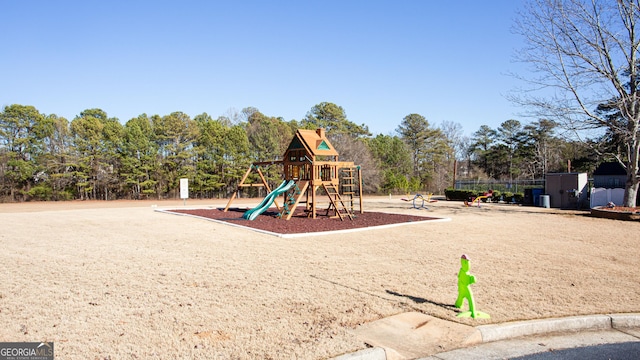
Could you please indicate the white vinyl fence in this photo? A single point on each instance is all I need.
(602, 196)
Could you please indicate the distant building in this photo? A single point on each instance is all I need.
(610, 175)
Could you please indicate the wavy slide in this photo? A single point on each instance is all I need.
(268, 200)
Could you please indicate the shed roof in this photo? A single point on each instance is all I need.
(610, 168)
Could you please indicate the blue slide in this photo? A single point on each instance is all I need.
(268, 200)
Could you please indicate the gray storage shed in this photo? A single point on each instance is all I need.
(567, 190)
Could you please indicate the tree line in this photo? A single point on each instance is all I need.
(94, 156)
(584, 78)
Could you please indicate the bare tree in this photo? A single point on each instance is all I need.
(454, 134)
(584, 54)
(351, 149)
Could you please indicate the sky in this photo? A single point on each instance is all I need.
(379, 60)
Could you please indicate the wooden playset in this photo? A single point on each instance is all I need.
(311, 171)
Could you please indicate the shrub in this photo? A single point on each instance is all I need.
(459, 195)
(518, 198)
(463, 195)
(510, 197)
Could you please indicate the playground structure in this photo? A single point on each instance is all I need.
(485, 196)
(311, 170)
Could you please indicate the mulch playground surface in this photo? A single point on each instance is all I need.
(299, 222)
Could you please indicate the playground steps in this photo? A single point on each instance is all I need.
(336, 202)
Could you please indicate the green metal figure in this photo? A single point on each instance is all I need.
(464, 291)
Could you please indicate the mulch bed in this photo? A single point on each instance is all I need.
(617, 213)
(300, 223)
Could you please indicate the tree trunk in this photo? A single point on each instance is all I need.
(633, 179)
(630, 195)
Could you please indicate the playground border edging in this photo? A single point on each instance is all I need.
(171, 212)
(362, 229)
(297, 235)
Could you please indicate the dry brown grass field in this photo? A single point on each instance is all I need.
(118, 280)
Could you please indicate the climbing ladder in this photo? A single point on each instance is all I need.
(293, 199)
(290, 201)
(336, 202)
(349, 186)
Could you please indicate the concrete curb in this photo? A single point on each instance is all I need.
(516, 329)
(512, 330)
(375, 353)
(625, 321)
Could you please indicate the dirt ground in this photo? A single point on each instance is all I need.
(118, 280)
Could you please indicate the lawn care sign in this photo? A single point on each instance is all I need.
(184, 189)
